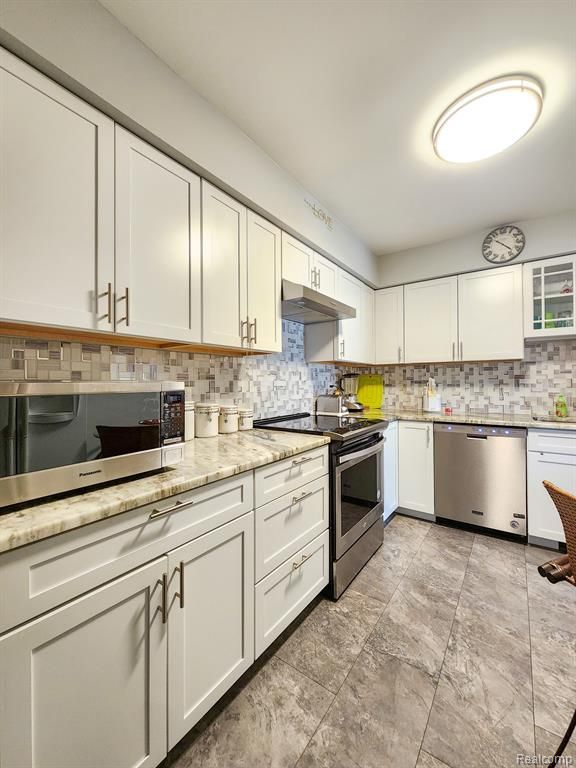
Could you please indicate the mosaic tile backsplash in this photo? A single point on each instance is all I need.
(284, 383)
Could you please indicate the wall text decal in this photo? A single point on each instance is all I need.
(320, 214)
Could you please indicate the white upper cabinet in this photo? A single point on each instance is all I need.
(490, 314)
(351, 341)
(224, 304)
(297, 261)
(56, 204)
(389, 325)
(431, 321)
(325, 276)
(550, 297)
(264, 284)
(158, 274)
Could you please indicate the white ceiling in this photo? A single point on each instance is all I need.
(344, 94)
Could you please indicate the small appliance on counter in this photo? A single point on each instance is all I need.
(331, 405)
(348, 387)
(65, 436)
(432, 400)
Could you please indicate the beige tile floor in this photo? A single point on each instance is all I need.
(447, 651)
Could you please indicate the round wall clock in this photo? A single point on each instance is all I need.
(503, 244)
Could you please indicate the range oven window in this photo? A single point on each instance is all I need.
(359, 491)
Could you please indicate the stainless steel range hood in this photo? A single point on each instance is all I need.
(305, 305)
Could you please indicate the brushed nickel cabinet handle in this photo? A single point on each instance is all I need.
(253, 326)
(296, 566)
(245, 337)
(126, 298)
(461, 350)
(296, 499)
(108, 293)
(178, 505)
(319, 278)
(453, 350)
(297, 462)
(180, 593)
(163, 583)
(399, 354)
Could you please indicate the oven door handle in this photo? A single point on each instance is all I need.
(361, 454)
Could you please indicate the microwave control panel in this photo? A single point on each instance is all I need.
(172, 417)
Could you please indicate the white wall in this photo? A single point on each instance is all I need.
(85, 48)
(544, 237)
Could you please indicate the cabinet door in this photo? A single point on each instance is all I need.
(550, 297)
(490, 314)
(389, 325)
(367, 325)
(85, 685)
(157, 243)
(211, 638)
(431, 321)
(543, 519)
(264, 284)
(224, 272)
(325, 276)
(297, 261)
(56, 204)
(416, 467)
(390, 474)
(351, 341)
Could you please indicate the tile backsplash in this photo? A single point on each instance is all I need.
(284, 383)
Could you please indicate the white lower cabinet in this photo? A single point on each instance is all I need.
(416, 467)
(211, 623)
(390, 474)
(552, 457)
(285, 592)
(85, 685)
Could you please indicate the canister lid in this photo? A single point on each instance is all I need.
(207, 407)
(229, 410)
(246, 411)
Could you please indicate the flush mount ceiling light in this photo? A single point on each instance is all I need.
(488, 119)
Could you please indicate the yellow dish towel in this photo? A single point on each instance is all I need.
(370, 390)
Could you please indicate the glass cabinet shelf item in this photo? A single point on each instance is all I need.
(549, 298)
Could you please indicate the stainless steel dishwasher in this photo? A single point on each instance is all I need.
(480, 476)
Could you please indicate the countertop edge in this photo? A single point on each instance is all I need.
(38, 522)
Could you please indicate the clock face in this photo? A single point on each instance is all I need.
(503, 244)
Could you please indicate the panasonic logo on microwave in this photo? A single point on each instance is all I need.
(87, 474)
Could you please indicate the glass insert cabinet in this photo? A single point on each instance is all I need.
(549, 299)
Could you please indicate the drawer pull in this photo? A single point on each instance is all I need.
(295, 566)
(296, 499)
(178, 505)
(297, 462)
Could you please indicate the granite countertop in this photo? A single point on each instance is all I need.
(206, 460)
(507, 420)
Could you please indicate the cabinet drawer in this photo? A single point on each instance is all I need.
(552, 441)
(40, 576)
(286, 524)
(282, 477)
(284, 593)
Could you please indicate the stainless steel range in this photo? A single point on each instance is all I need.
(356, 487)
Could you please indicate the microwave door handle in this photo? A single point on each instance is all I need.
(11, 437)
(361, 454)
(22, 417)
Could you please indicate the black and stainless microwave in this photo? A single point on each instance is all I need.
(57, 437)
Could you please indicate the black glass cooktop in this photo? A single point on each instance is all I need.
(337, 427)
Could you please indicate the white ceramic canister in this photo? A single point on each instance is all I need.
(189, 419)
(228, 419)
(206, 419)
(245, 418)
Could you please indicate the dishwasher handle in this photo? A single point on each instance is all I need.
(476, 437)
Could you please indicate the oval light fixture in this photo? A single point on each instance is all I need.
(488, 119)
